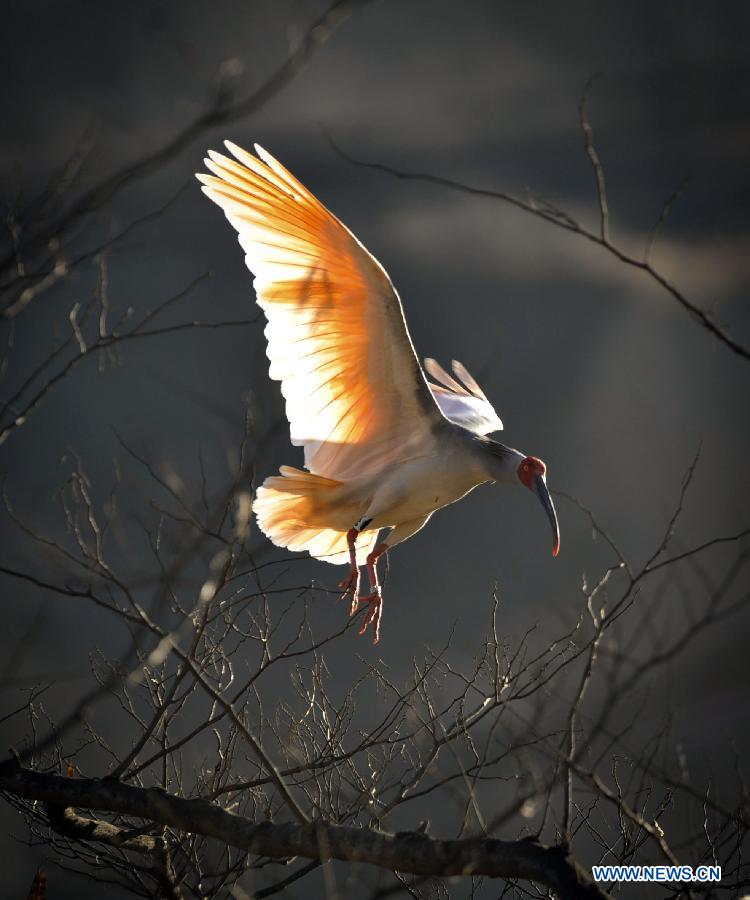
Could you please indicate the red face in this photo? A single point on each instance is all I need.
(531, 473)
(529, 469)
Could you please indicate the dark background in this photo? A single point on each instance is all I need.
(589, 364)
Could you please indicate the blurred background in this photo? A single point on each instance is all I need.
(591, 365)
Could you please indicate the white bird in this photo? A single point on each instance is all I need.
(383, 447)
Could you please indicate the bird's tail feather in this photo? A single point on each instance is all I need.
(294, 509)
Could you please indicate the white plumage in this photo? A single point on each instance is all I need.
(382, 447)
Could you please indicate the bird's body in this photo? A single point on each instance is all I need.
(405, 494)
(417, 487)
(412, 489)
(384, 448)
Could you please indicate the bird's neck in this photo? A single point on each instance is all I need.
(499, 462)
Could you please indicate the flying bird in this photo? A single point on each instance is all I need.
(383, 446)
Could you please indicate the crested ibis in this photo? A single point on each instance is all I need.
(383, 446)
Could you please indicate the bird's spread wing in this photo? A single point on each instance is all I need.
(356, 396)
(463, 402)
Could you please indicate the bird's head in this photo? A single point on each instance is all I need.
(532, 473)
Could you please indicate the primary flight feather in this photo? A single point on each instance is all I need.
(383, 448)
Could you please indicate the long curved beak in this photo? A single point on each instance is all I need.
(540, 489)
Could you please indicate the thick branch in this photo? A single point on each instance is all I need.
(407, 852)
(68, 823)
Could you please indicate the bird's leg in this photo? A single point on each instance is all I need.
(372, 567)
(351, 583)
(375, 597)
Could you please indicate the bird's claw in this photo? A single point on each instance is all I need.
(372, 616)
(351, 586)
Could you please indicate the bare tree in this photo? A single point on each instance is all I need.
(229, 760)
(226, 669)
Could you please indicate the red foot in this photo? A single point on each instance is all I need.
(350, 585)
(372, 616)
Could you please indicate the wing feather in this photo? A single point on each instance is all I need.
(463, 373)
(463, 404)
(356, 396)
(439, 374)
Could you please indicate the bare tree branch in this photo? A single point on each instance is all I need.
(223, 111)
(593, 155)
(407, 852)
(559, 218)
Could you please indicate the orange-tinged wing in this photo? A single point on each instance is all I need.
(356, 397)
